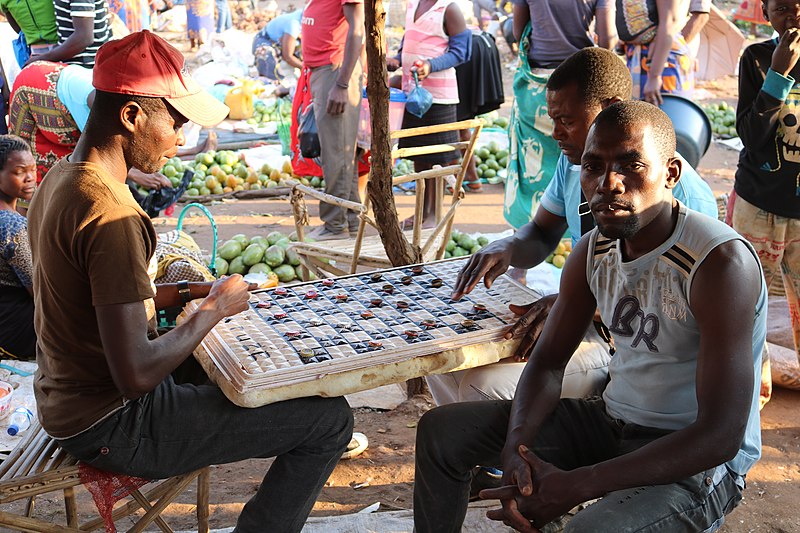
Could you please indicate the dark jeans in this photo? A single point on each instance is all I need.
(454, 438)
(179, 428)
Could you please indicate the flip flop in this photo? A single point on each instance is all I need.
(357, 445)
(473, 186)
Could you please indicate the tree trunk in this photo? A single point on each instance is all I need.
(398, 250)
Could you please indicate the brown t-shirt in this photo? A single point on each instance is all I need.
(91, 244)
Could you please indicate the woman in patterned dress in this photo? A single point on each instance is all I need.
(17, 180)
(38, 115)
(658, 57)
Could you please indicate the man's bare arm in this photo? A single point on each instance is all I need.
(522, 15)
(288, 46)
(82, 37)
(139, 364)
(694, 25)
(539, 387)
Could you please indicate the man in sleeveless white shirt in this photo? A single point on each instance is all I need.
(668, 445)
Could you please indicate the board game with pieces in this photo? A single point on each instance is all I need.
(341, 335)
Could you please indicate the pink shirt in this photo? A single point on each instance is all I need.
(324, 32)
(425, 39)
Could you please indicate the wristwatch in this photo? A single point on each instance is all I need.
(184, 292)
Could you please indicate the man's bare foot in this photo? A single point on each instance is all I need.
(408, 224)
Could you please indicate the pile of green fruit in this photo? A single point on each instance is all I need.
(560, 254)
(494, 120)
(723, 119)
(225, 171)
(461, 244)
(259, 254)
(264, 112)
(403, 167)
(490, 159)
(173, 170)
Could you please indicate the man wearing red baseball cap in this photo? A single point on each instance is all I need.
(106, 386)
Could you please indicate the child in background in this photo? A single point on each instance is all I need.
(17, 180)
(766, 208)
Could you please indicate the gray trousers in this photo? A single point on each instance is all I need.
(337, 138)
(453, 439)
(179, 428)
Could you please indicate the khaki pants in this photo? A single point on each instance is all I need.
(586, 375)
(777, 241)
(337, 138)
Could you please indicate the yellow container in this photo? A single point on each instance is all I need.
(240, 101)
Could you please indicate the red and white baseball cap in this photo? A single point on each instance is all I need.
(144, 64)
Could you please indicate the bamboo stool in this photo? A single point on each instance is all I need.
(39, 466)
(369, 252)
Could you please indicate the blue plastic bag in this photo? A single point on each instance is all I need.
(419, 100)
(21, 50)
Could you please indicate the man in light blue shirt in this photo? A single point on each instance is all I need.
(583, 85)
(563, 196)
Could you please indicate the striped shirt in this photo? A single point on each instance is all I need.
(425, 39)
(97, 9)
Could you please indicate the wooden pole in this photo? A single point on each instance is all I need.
(398, 250)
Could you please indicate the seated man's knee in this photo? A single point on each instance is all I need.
(344, 414)
(435, 430)
(336, 418)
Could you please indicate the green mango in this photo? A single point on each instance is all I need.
(242, 238)
(222, 267)
(466, 242)
(252, 254)
(285, 273)
(292, 257)
(261, 241)
(274, 237)
(259, 268)
(299, 271)
(459, 252)
(230, 250)
(274, 256)
(237, 266)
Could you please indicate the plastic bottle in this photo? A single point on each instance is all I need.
(20, 420)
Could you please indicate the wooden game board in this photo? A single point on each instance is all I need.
(343, 335)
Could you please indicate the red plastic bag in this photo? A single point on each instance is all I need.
(302, 99)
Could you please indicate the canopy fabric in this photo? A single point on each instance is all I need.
(721, 44)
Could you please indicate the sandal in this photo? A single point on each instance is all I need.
(473, 186)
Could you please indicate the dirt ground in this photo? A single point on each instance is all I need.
(384, 473)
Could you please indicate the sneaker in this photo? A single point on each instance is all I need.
(321, 233)
(484, 478)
